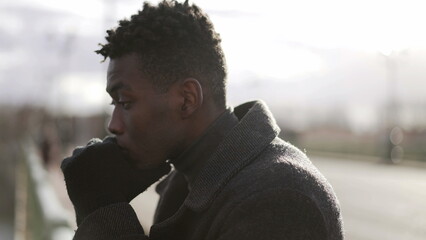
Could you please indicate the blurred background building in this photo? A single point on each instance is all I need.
(344, 79)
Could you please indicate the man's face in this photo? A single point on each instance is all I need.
(144, 121)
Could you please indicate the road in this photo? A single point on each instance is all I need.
(378, 201)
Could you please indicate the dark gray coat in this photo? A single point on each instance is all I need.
(254, 186)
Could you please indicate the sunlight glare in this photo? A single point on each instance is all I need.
(70, 96)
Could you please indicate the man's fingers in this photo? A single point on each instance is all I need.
(65, 163)
(77, 150)
(93, 141)
(110, 139)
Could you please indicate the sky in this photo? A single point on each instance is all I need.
(294, 54)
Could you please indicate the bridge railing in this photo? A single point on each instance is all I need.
(38, 213)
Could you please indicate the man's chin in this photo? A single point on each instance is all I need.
(132, 158)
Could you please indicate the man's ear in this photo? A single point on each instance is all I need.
(192, 94)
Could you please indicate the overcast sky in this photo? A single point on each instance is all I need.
(290, 53)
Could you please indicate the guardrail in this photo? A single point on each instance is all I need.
(38, 212)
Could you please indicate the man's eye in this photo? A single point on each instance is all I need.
(126, 105)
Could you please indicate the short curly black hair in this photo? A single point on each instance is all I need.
(174, 41)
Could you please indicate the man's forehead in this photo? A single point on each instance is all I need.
(115, 66)
(122, 66)
(117, 79)
(129, 60)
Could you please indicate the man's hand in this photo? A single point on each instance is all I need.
(100, 174)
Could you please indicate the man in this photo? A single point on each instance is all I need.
(233, 178)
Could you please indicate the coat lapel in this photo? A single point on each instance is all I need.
(256, 129)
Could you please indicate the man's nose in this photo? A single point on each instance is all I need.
(115, 125)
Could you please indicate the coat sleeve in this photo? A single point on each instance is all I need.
(274, 214)
(117, 221)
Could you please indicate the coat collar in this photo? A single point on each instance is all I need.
(191, 161)
(255, 130)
